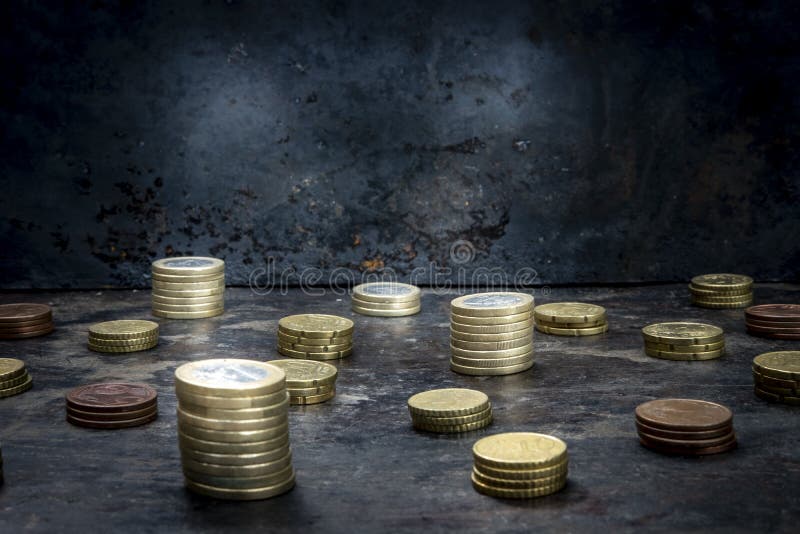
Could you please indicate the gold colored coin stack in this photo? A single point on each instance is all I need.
(722, 290)
(233, 429)
(308, 382)
(14, 377)
(570, 319)
(450, 410)
(519, 465)
(191, 287)
(491, 334)
(386, 299)
(777, 376)
(314, 336)
(683, 341)
(123, 336)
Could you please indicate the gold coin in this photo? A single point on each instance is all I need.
(383, 292)
(783, 364)
(229, 377)
(315, 348)
(723, 299)
(316, 325)
(591, 324)
(333, 355)
(306, 374)
(231, 403)
(491, 371)
(189, 293)
(448, 402)
(492, 362)
(514, 483)
(189, 278)
(189, 286)
(401, 305)
(157, 299)
(193, 308)
(234, 448)
(454, 334)
(238, 482)
(11, 368)
(241, 494)
(775, 382)
(243, 414)
(232, 436)
(16, 390)
(454, 429)
(494, 304)
(570, 312)
(128, 348)
(386, 313)
(506, 493)
(307, 392)
(766, 395)
(312, 399)
(253, 470)
(490, 321)
(188, 265)
(519, 450)
(123, 329)
(777, 390)
(682, 333)
(132, 342)
(16, 381)
(453, 420)
(187, 315)
(522, 474)
(685, 356)
(712, 292)
(489, 354)
(233, 425)
(286, 338)
(280, 449)
(722, 282)
(684, 348)
(573, 331)
(493, 345)
(491, 329)
(722, 306)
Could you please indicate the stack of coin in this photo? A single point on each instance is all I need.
(683, 341)
(14, 378)
(112, 405)
(25, 320)
(191, 287)
(570, 319)
(386, 299)
(233, 429)
(123, 336)
(777, 376)
(519, 465)
(314, 336)
(308, 382)
(722, 290)
(450, 410)
(685, 426)
(777, 321)
(491, 334)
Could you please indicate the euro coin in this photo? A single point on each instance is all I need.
(188, 315)
(492, 345)
(766, 395)
(559, 469)
(111, 425)
(491, 329)
(11, 368)
(491, 371)
(576, 332)
(683, 435)
(124, 349)
(682, 333)
(193, 308)
(342, 340)
(315, 325)
(495, 304)
(686, 451)
(570, 313)
(305, 392)
(11, 314)
(132, 342)
(684, 348)
(722, 282)
(183, 301)
(277, 465)
(448, 402)
(591, 324)
(507, 336)
(700, 292)
(453, 429)
(232, 403)
(529, 484)
(315, 348)
(382, 292)
(506, 493)
(238, 482)
(519, 450)
(28, 333)
(280, 449)
(684, 414)
(123, 329)
(492, 362)
(386, 313)
(722, 305)
(190, 293)
(380, 306)
(16, 390)
(188, 278)
(112, 416)
(234, 448)
(229, 377)
(685, 356)
(188, 265)
(241, 494)
(775, 382)
(306, 374)
(490, 321)
(490, 354)
(190, 286)
(318, 355)
(233, 425)
(774, 313)
(233, 436)
(16, 381)
(723, 299)
(235, 414)
(312, 399)
(781, 364)
(689, 443)
(112, 397)
(453, 420)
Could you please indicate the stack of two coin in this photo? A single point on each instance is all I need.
(721, 290)
(233, 429)
(191, 287)
(777, 376)
(315, 336)
(570, 319)
(776, 321)
(14, 377)
(685, 426)
(491, 334)
(450, 410)
(127, 335)
(307, 381)
(24, 320)
(386, 299)
(112, 405)
(683, 341)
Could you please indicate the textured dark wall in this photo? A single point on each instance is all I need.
(586, 141)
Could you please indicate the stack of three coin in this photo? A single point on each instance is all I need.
(25, 320)
(685, 426)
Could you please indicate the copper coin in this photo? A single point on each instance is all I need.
(664, 449)
(4, 329)
(23, 335)
(112, 416)
(774, 312)
(689, 443)
(774, 335)
(14, 313)
(676, 434)
(684, 414)
(24, 324)
(112, 424)
(112, 397)
(772, 324)
(771, 330)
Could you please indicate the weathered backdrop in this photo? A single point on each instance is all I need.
(586, 141)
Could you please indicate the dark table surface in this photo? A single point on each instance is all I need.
(361, 467)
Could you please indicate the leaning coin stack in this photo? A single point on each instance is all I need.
(777, 376)
(685, 426)
(25, 320)
(14, 378)
(683, 341)
(450, 410)
(123, 336)
(191, 287)
(308, 382)
(112, 405)
(519, 465)
(722, 290)
(776, 321)
(570, 319)
(491, 334)
(233, 429)
(314, 336)
(386, 299)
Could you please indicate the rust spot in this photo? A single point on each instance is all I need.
(356, 240)
(372, 264)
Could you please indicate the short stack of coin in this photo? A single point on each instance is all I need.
(687, 427)
(776, 376)
(519, 465)
(308, 382)
(23, 320)
(570, 319)
(722, 290)
(683, 341)
(386, 299)
(314, 336)
(491, 334)
(776, 321)
(233, 429)
(450, 410)
(112, 405)
(191, 287)
(14, 377)
(123, 336)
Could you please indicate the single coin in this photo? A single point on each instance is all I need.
(188, 265)
(188, 315)
(16, 381)
(315, 348)
(790, 337)
(123, 329)
(683, 414)
(775, 382)
(722, 282)
(723, 299)
(190, 286)
(781, 364)
(306, 374)
(570, 312)
(110, 425)
(190, 278)
(123, 349)
(24, 335)
(454, 420)
(193, 293)
(685, 356)
(682, 333)
(559, 469)
(333, 355)
(683, 435)
(401, 305)
(233, 436)
(241, 494)
(448, 402)
(774, 312)
(112, 416)
(519, 450)
(342, 340)
(506, 336)
(188, 301)
(711, 292)
(507, 493)
(316, 325)
(372, 312)
(722, 306)
(771, 324)
(280, 449)
(386, 292)
(531, 483)
(491, 321)
(491, 329)
(495, 304)
(590, 324)
(312, 399)
(232, 425)
(232, 403)
(687, 451)
(491, 371)
(277, 465)
(229, 377)
(577, 332)
(170, 308)
(771, 330)
(132, 342)
(769, 396)
(492, 362)
(16, 390)
(689, 443)
(453, 429)
(684, 348)
(215, 447)
(240, 414)
(307, 392)
(784, 391)
(239, 482)
(21, 326)
(24, 312)
(112, 397)
(492, 345)
(489, 354)
(11, 368)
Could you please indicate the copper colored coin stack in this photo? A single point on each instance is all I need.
(112, 405)
(25, 320)
(776, 376)
(685, 426)
(776, 321)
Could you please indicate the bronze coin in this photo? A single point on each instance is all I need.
(112, 424)
(25, 324)
(24, 329)
(23, 335)
(684, 414)
(771, 330)
(14, 313)
(774, 312)
(725, 447)
(686, 435)
(689, 443)
(772, 324)
(112, 397)
(112, 416)
(774, 335)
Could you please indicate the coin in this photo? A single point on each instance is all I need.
(722, 306)
(233, 436)
(700, 292)
(386, 313)
(315, 341)
(22, 326)
(722, 282)
(280, 449)
(382, 306)
(490, 321)
(570, 325)
(16, 390)
(188, 265)
(24, 312)
(766, 395)
(232, 425)
(315, 348)
(519, 450)
(188, 315)
(190, 286)
(570, 312)
(187, 301)
(684, 348)
(453, 429)
(495, 304)
(683, 414)
(124, 349)
(685, 356)
(332, 355)
(506, 493)
(771, 324)
(448, 402)
(235, 414)
(683, 435)
(559, 469)
(241, 494)
(276, 465)
(112, 397)
(454, 334)
(492, 345)
(229, 377)
(573, 331)
(774, 312)
(489, 354)
(27, 334)
(112, 416)
(789, 392)
(793, 337)
(386, 292)
(775, 382)
(491, 371)
(694, 443)
(770, 330)
(491, 329)
(312, 399)
(781, 364)
(123, 329)
(170, 308)
(307, 392)
(228, 448)
(239, 482)
(492, 362)
(682, 333)
(686, 451)
(132, 342)
(453, 420)
(232, 403)
(188, 278)
(110, 425)
(11, 368)
(723, 299)
(189, 293)
(315, 325)
(306, 374)
(16, 381)
(530, 483)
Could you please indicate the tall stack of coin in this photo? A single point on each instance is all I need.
(776, 376)
(683, 341)
(450, 410)
(123, 336)
(685, 426)
(112, 405)
(191, 287)
(315, 336)
(14, 377)
(722, 290)
(491, 333)
(386, 299)
(308, 382)
(776, 321)
(25, 320)
(519, 465)
(570, 319)
(233, 429)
